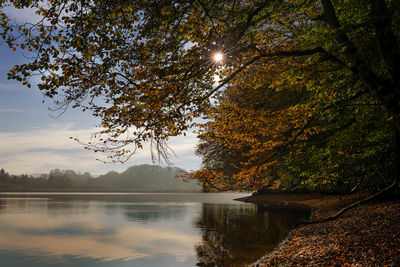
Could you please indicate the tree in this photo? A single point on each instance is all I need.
(151, 61)
(240, 143)
(4, 176)
(58, 178)
(248, 143)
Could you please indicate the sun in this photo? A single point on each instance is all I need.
(218, 57)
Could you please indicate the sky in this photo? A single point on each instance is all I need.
(32, 141)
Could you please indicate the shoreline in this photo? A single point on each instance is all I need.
(368, 235)
(318, 204)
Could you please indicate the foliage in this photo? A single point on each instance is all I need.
(151, 62)
(256, 146)
(55, 179)
(333, 138)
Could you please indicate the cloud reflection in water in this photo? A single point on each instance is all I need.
(91, 234)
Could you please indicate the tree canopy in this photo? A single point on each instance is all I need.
(306, 89)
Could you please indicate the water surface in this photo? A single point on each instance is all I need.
(137, 229)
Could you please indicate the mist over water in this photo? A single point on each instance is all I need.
(137, 229)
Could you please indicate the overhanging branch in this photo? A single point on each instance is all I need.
(354, 205)
(295, 53)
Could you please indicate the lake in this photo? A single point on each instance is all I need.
(137, 229)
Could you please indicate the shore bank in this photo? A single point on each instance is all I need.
(368, 235)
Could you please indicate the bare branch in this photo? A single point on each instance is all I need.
(352, 206)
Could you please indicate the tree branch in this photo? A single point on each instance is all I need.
(331, 18)
(231, 76)
(288, 143)
(382, 88)
(382, 19)
(297, 53)
(355, 204)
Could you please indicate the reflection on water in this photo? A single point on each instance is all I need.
(235, 235)
(136, 230)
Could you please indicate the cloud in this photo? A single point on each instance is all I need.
(11, 110)
(3, 85)
(38, 150)
(88, 237)
(13, 88)
(25, 15)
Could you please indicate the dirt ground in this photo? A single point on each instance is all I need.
(368, 235)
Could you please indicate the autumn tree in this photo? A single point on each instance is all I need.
(248, 144)
(247, 132)
(152, 63)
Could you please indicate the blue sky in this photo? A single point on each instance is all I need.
(31, 141)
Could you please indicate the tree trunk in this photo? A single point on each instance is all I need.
(397, 159)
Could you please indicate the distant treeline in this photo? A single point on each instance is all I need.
(141, 177)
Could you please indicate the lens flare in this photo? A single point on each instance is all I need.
(218, 57)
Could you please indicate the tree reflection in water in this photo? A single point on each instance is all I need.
(236, 235)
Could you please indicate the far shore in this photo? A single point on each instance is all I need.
(96, 190)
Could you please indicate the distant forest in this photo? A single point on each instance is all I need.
(140, 178)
